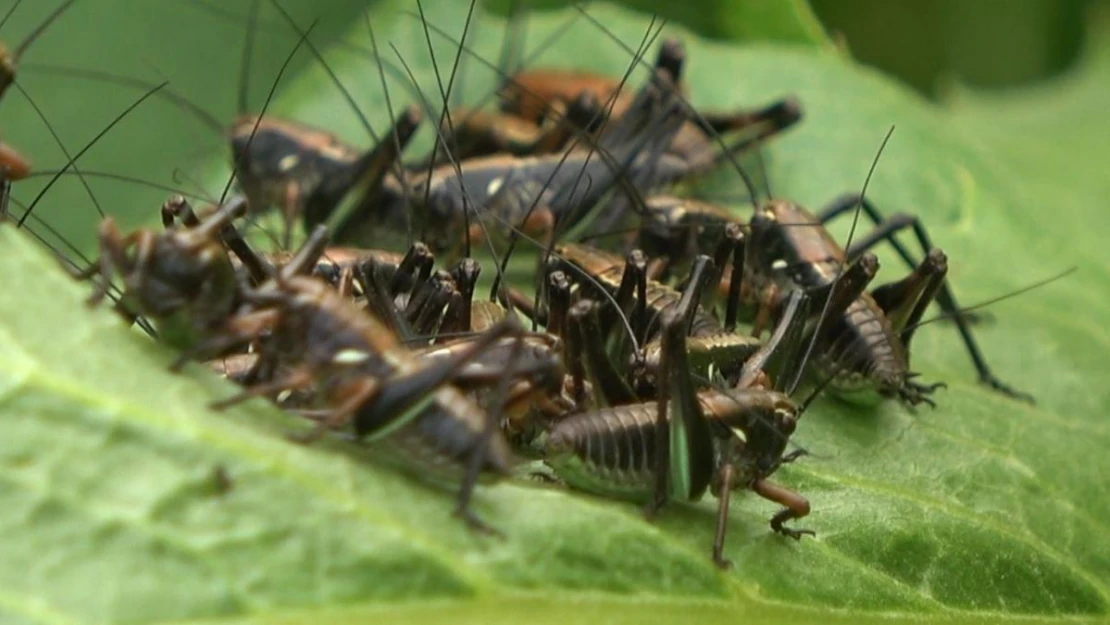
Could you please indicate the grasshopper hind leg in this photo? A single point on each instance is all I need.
(885, 229)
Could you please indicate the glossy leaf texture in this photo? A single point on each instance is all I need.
(125, 500)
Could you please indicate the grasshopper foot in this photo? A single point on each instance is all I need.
(1007, 390)
(478, 525)
(794, 455)
(651, 510)
(178, 364)
(309, 437)
(914, 393)
(796, 534)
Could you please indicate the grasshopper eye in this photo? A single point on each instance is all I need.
(787, 423)
(766, 463)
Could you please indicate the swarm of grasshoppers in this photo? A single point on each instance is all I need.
(639, 385)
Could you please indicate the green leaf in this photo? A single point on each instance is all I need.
(787, 21)
(125, 499)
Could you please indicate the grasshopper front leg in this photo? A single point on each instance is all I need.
(796, 507)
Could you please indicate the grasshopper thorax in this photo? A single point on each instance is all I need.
(758, 425)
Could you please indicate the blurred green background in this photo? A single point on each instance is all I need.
(985, 43)
(928, 44)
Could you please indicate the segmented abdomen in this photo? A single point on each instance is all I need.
(438, 443)
(865, 348)
(609, 452)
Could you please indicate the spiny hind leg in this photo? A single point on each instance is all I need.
(885, 229)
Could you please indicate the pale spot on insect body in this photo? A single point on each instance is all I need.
(288, 162)
(494, 186)
(208, 255)
(350, 357)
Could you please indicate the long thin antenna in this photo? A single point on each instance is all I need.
(205, 117)
(242, 106)
(15, 5)
(61, 145)
(445, 112)
(42, 173)
(399, 169)
(239, 158)
(81, 153)
(840, 270)
(506, 77)
(744, 176)
(994, 300)
(331, 74)
(41, 28)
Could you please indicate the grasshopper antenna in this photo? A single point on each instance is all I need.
(15, 5)
(241, 102)
(177, 99)
(61, 145)
(994, 300)
(399, 170)
(506, 77)
(817, 390)
(331, 73)
(513, 41)
(122, 178)
(840, 270)
(40, 29)
(81, 153)
(445, 113)
(258, 120)
(761, 164)
(744, 176)
(468, 203)
(459, 78)
(63, 258)
(645, 43)
(9, 60)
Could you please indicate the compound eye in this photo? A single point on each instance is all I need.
(787, 423)
(766, 463)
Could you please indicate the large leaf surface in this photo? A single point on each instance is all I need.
(115, 502)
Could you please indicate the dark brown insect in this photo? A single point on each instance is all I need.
(361, 374)
(181, 278)
(533, 94)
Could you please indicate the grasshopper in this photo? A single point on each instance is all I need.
(789, 248)
(533, 194)
(182, 278)
(711, 345)
(686, 441)
(531, 94)
(302, 170)
(317, 339)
